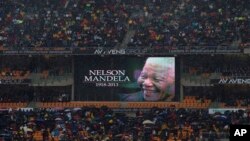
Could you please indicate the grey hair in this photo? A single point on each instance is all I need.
(167, 62)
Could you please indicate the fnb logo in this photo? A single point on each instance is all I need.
(239, 132)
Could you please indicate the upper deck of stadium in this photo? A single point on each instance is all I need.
(152, 24)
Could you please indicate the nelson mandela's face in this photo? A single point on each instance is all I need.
(156, 81)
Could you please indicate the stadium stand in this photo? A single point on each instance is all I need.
(62, 24)
(190, 23)
(89, 123)
(101, 23)
(224, 65)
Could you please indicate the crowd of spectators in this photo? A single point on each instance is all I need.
(92, 124)
(15, 93)
(192, 23)
(7, 73)
(104, 23)
(226, 65)
(201, 93)
(54, 23)
(12, 67)
(52, 94)
(228, 96)
(236, 96)
(18, 72)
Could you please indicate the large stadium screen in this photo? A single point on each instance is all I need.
(124, 78)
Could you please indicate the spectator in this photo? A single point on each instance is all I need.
(52, 122)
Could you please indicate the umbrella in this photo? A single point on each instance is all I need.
(220, 117)
(39, 120)
(26, 129)
(31, 123)
(57, 109)
(77, 109)
(29, 130)
(118, 135)
(67, 110)
(148, 122)
(58, 119)
(108, 115)
(31, 119)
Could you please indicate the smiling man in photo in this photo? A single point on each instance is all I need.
(157, 81)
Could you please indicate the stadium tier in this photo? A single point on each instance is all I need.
(79, 27)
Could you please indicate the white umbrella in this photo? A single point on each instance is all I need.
(26, 129)
(77, 109)
(67, 110)
(148, 122)
(58, 119)
(29, 130)
(31, 123)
